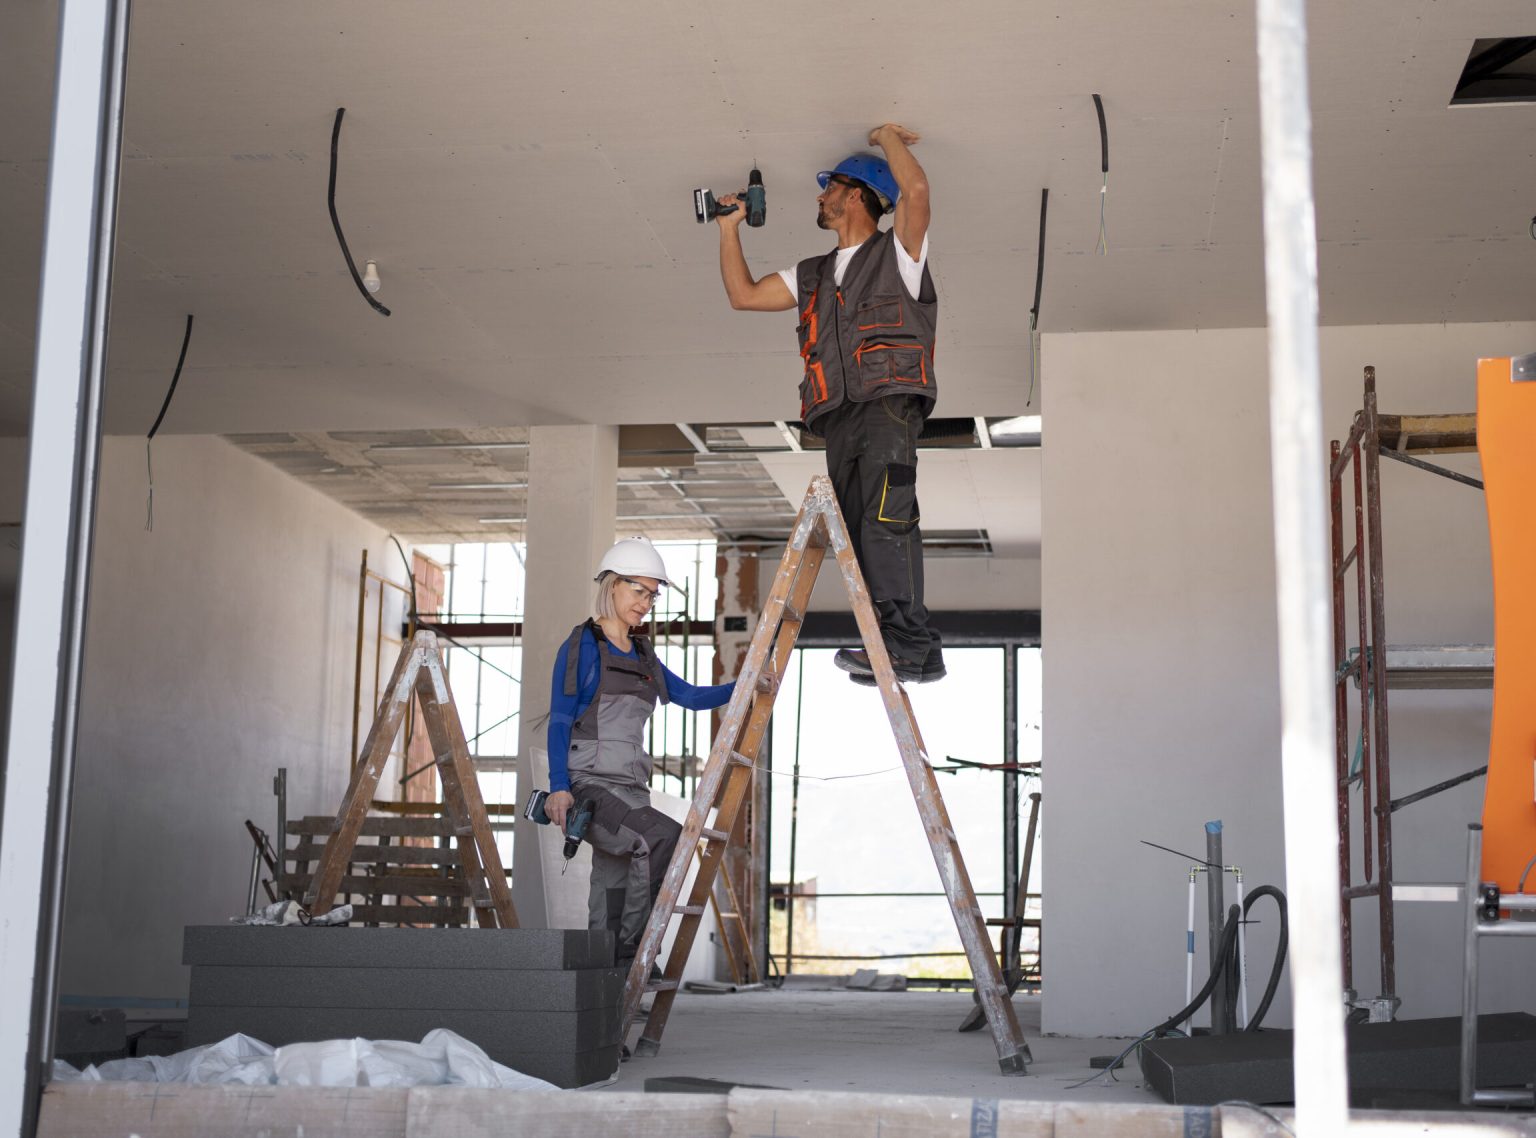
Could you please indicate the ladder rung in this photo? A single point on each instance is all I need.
(729, 916)
(714, 835)
(767, 682)
(689, 910)
(792, 614)
(484, 903)
(740, 760)
(661, 985)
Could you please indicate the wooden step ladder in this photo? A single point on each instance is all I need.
(420, 672)
(727, 779)
(735, 936)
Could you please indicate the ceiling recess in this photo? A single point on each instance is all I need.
(1498, 71)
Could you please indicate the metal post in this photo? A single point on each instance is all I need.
(1215, 917)
(357, 668)
(280, 789)
(1470, 901)
(65, 447)
(1013, 935)
(1300, 505)
(1370, 450)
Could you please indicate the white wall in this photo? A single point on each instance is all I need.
(220, 648)
(1161, 704)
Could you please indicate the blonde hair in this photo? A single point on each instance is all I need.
(602, 601)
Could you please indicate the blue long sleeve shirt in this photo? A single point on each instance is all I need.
(564, 709)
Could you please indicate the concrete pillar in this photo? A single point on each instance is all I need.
(572, 496)
(737, 606)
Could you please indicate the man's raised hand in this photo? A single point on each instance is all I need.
(905, 136)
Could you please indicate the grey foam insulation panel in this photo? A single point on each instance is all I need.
(1419, 1055)
(487, 989)
(546, 1002)
(344, 947)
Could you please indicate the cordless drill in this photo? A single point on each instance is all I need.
(576, 820)
(705, 208)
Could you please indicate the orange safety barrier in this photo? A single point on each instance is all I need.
(1506, 442)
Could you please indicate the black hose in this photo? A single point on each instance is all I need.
(336, 221)
(1220, 962)
(1280, 949)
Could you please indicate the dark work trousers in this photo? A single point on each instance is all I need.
(632, 844)
(872, 461)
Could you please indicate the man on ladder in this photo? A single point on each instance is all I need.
(868, 316)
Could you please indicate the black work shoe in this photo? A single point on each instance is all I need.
(927, 672)
(855, 661)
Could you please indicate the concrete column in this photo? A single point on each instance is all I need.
(572, 494)
(737, 606)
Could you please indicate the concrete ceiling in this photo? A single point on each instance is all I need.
(522, 175)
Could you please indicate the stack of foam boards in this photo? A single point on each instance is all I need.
(546, 1002)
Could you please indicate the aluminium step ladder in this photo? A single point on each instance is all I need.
(727, 778)
(419, 672)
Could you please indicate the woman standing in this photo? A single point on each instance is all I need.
(607, 681)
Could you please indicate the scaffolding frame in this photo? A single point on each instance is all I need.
(1373, 436)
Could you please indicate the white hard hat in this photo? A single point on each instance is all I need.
(633, 557)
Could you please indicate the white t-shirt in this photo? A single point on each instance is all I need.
(911, 271)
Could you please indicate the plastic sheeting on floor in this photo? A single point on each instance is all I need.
(442, 1058)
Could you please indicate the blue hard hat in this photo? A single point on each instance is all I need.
(872, 172)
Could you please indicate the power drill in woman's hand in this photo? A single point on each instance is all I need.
(576, 820)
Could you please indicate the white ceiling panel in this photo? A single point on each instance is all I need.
(522, 174)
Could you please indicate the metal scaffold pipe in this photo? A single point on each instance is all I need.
(1301, 560)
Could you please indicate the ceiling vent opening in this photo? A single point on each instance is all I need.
(1498, 71)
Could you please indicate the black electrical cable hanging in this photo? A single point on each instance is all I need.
(1103, 244)
(149, 461)
(335, 221)
(1034, 311)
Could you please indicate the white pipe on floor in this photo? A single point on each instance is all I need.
(1297, 455)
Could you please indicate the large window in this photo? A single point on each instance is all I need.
(870, 894)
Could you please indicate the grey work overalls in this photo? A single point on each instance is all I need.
(631, 843)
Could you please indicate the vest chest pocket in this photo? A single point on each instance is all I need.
(880, 365)
(881, 312)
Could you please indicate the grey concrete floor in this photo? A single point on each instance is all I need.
(871, 1042)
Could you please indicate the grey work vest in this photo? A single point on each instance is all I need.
(867, 338)
(608, 738)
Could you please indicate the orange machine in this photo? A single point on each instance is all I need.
(1506, 442)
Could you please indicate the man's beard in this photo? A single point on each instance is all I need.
(821, 218)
